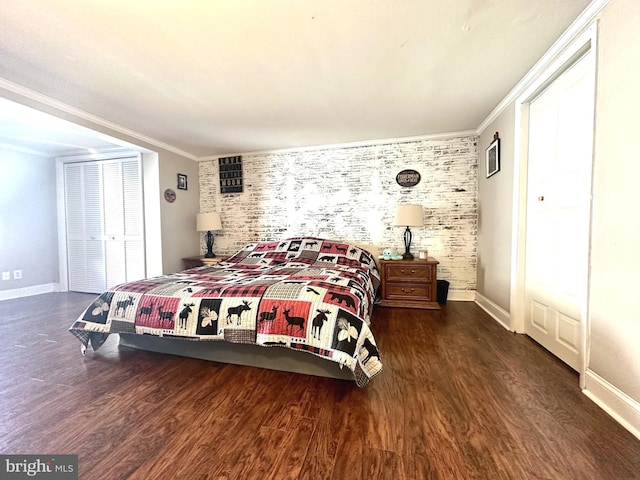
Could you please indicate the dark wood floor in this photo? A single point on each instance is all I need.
(459, 398)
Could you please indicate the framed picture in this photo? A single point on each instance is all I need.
(493, 156)
(182, 181)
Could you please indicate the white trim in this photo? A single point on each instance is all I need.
(519, 212)
(81, 114)
(62, 226)
(585, 332)
(498, 313)
(89, 117)
(586, 40)
(461, 295)
(29, 291)
(108, 154)
(102, 152)
(582, 43)
(582, 22)
(624, 409)
(364, 143)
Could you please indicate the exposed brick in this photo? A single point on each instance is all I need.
(351, 194)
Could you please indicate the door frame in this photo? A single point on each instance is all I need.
(583, 43)
(115, 154)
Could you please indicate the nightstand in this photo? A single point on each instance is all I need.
(409, 283)
(199, 261)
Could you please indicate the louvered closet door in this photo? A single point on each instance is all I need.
(85, 246)
(123, 221)
(133, 220)
(115, 261)
(105, 234)
(76, 248)
(93, 211)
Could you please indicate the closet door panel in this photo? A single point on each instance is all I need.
(113, 203)
(74, 201)
(134, 252)
(96, 275)
(77, 265)
(115, 262)
(132, 198)
(92, 198)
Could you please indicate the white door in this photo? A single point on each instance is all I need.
(558, 211)
(123, 221)
(104, 219)
(85, 249)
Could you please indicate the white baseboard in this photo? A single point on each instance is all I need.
(462, 295)
(624, 409)
(29, 291)
(498, 313)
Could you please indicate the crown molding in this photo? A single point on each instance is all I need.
(89, 117)
(364, 143)
(580, 24)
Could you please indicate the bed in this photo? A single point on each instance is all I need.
(309, 300)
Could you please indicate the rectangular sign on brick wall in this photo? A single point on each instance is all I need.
(230, 174)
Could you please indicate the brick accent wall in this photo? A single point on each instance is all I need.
(351, 194)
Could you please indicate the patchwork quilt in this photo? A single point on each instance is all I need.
(308, 294)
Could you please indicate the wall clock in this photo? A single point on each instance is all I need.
(169, 195)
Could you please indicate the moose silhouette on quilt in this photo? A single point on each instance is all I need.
(304, 293)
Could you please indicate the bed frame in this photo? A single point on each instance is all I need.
(272, 358)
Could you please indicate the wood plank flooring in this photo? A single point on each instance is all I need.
(459, 398)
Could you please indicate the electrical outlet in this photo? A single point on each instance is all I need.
(6, 275)
(17, 274)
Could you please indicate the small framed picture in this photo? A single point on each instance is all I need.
(493, 156)
(182, 181)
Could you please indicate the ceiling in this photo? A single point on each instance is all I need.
(214, 77)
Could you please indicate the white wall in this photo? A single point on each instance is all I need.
(350, 193)
(28, 232)
(495, 199)
(178, 219)
(615, 262)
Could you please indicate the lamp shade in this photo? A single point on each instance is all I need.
(208, 221)
(409, 215)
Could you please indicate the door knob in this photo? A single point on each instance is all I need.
(541, 198)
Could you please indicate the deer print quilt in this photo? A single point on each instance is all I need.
(304, 293)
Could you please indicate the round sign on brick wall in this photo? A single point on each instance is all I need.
(408, 178)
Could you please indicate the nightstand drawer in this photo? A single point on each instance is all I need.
(409, 283)
(410, 291)
(409, 273)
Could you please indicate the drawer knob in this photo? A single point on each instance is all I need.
(409, 290)
(412, 270)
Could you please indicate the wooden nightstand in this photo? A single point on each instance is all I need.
(409, 283)
(199, 261)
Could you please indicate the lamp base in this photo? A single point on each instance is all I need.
(209, 240)
(407, 245)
